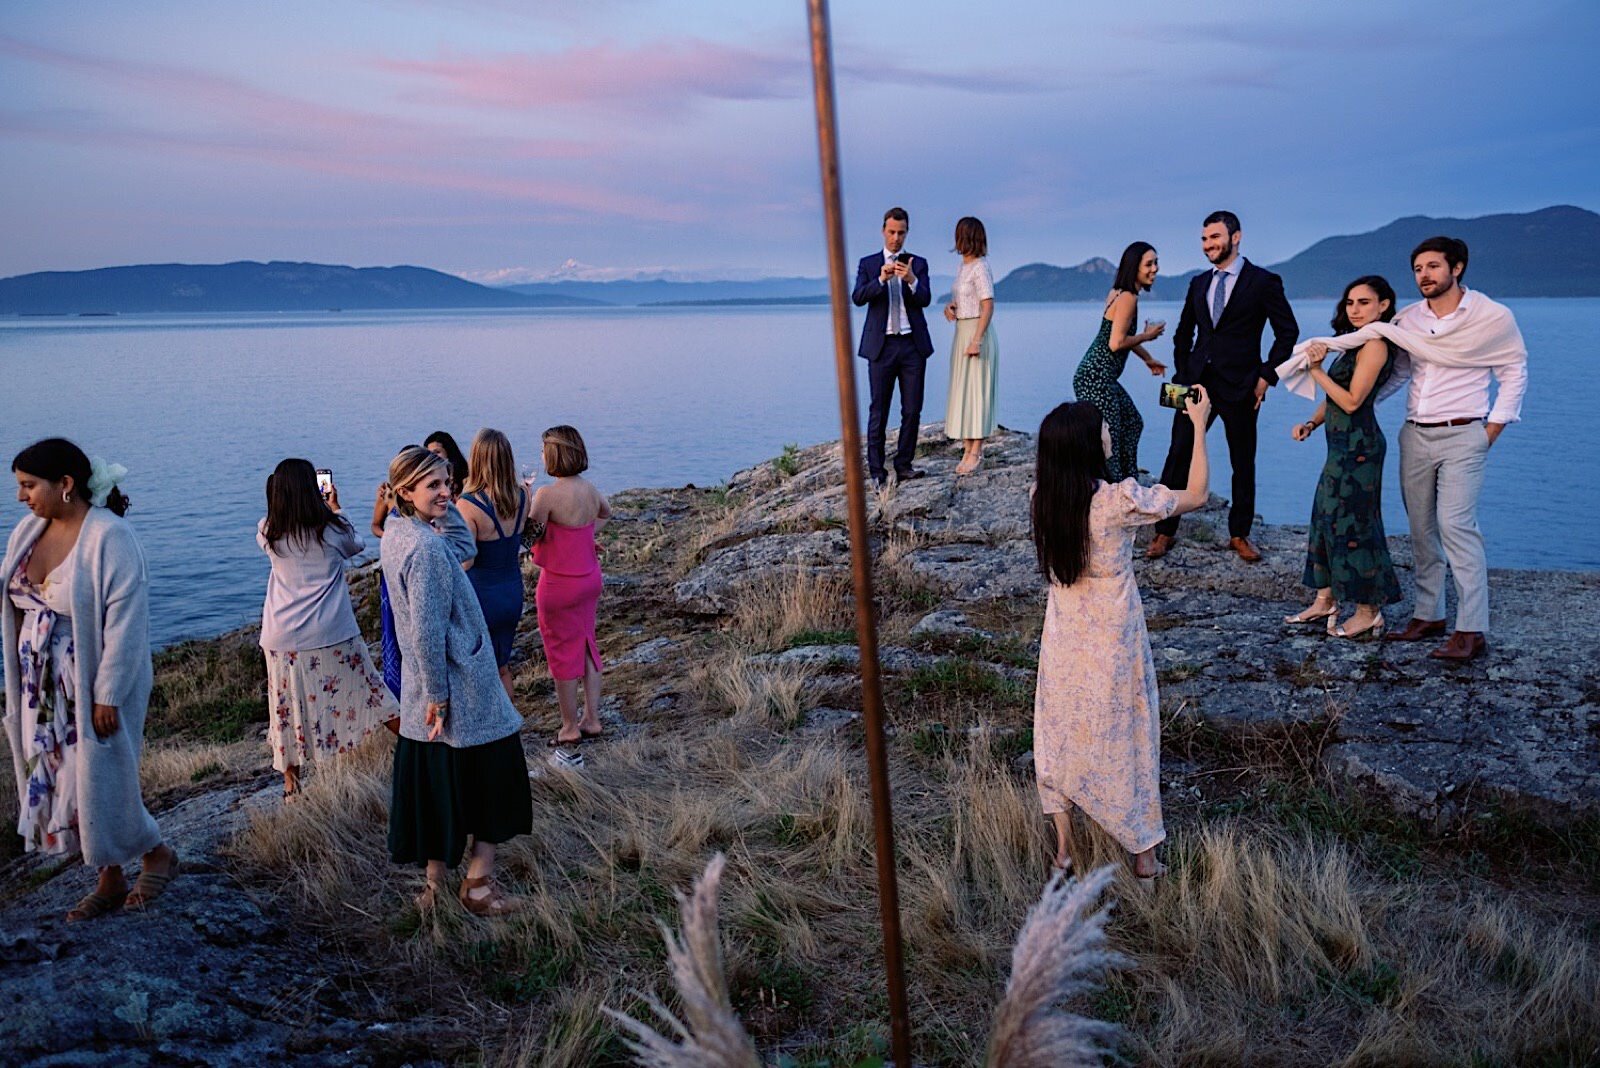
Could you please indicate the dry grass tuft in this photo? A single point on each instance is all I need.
(795, 602)
(1060, 955)
(711, 1035)
(169, 765)
(755, 695)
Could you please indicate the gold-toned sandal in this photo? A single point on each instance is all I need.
(151, 885)
(94, 905)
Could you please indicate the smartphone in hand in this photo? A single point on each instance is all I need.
(324, 481)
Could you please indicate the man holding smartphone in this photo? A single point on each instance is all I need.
(893, 286)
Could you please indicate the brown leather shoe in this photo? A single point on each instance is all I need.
(1160, 545)
(1416, 630)
(1246, 551)
(1463, 645)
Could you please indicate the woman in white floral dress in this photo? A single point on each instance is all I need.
(324, 695)
(1096, 715)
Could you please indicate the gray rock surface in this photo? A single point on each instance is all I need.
(1519, 728)
(207, 975)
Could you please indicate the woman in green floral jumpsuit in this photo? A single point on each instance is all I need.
(1347, 556)
(1096, 378)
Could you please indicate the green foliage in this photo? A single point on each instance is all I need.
(821, 637)
(211, 691)
(962, 678)
(788, 464)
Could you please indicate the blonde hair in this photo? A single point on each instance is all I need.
(492, 471)
(564, 452)
(410, 467)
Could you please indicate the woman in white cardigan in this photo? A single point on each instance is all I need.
(75, 623)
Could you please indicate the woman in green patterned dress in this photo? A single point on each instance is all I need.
(1098, 371)
(1347, 557)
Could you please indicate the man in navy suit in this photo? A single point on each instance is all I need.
(1218, 346)
(894, 287)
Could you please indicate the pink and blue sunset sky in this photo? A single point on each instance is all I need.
(499, 139)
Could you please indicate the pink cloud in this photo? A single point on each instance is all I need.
(663, 76)
(243, 122)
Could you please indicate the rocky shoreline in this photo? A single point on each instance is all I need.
(220, 973)
(1517, 730)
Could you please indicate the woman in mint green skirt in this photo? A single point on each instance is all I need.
(974, 354)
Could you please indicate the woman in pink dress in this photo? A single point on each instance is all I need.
(570, 510)
(1096, 713)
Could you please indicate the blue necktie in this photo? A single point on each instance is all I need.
(1219, 298)
(896, 298)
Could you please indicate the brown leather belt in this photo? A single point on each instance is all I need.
(1447, 422)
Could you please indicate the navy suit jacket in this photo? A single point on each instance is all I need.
(875, 295)
(1226, 358)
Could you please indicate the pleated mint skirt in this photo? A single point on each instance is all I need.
(974, 384)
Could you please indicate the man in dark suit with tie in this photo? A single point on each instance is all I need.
(894, 287)
(1218, 346)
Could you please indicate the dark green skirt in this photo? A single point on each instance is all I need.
(441, 795)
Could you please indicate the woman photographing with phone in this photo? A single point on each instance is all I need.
(1096, 713)
(459, 771)
(324, 696)
(1095, 380)
(75, 621)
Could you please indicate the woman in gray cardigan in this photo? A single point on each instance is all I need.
(75, 625)
(459, 770)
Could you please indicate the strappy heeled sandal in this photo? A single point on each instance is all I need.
(428, 899)
(151, 884)
(94, 905)
(494, 903)
(1311, 615)
(1371, 632)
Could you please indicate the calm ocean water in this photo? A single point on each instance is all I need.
(200, 409)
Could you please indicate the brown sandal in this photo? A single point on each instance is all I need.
(495, 903)
(428, 899)
(151, 884)
(94, 905)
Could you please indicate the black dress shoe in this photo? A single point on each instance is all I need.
(880, 480)
(911, 475)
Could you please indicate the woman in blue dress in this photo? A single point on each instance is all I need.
(495, 507)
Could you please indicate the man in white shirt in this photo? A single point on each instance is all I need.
(1449, 428)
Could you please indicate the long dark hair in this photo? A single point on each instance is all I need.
(453, 453)
(53, 459)
(295, 508)
(1379, 285)
(1127, 278)
(1071, 460)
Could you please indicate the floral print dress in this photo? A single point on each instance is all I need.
(48, 816)
(1096, 714)
(323, 701)
(1347, 551)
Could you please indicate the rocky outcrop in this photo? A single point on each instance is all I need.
(209, 974)
(1518, 729)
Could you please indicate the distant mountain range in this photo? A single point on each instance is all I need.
(248, 286)
(1554, 252)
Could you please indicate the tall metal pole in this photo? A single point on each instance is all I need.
(860, 549)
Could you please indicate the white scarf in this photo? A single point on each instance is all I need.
(1485, 334)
